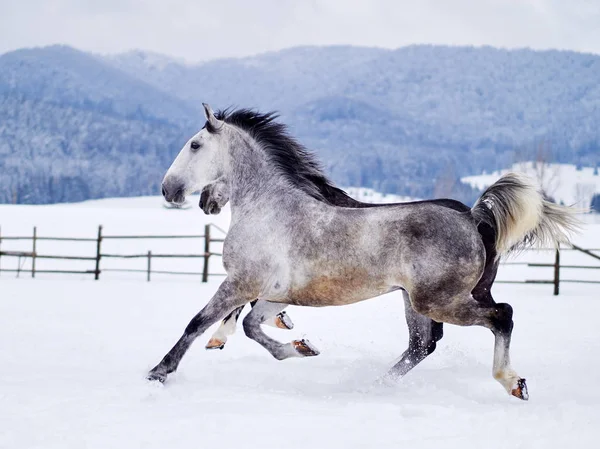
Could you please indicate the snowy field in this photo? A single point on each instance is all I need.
(75, 353)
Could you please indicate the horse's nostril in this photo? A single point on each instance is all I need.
(173, 191)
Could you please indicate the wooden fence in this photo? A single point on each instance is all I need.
(206, 255)
(99, 255)
(556, 268)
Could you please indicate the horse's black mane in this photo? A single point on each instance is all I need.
(297, 164)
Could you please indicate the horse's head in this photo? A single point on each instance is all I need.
(200, 161)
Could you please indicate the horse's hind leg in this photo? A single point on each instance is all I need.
(262, 311)
(502, 326)
(423, 335)
(228, 325)
(467, 311)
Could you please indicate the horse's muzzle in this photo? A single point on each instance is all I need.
(173, 192)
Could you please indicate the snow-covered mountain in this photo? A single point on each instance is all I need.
(73, 127)
(410, 121)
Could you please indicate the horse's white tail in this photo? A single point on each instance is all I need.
(515, 208)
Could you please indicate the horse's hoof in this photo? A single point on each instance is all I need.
(154, 376)
(305, 348)
(520, 391)
(215, 343)
(282, 321)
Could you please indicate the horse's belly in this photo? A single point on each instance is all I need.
(330, 290)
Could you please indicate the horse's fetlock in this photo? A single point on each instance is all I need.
(280, 355)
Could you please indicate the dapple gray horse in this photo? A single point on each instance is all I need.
(287, 245)
(424, 333)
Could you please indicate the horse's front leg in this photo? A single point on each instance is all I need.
(224, 301)
(227, 327)
(263, 311)
(214, 197)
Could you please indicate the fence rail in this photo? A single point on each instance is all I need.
(99, 255)
(556, 279)
(207, 253)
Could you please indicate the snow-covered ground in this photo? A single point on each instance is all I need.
(75, 353)
(563, 182)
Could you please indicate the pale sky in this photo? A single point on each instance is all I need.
(200, 30)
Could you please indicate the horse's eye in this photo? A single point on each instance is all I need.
(195, 145)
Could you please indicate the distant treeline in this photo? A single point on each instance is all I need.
(411, 121)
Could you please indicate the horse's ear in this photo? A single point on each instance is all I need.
(213, 121)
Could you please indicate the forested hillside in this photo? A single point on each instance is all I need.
(410, 121)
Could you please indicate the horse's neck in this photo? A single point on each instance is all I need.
(252, 177)
(256, 185)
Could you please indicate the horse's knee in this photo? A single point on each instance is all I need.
(194, 325)
(502, 318)
(249, 326)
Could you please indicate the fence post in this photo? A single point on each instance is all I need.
(206, 252)
(33, 254)
(556, 272)
(149, 265)
(98, 242)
